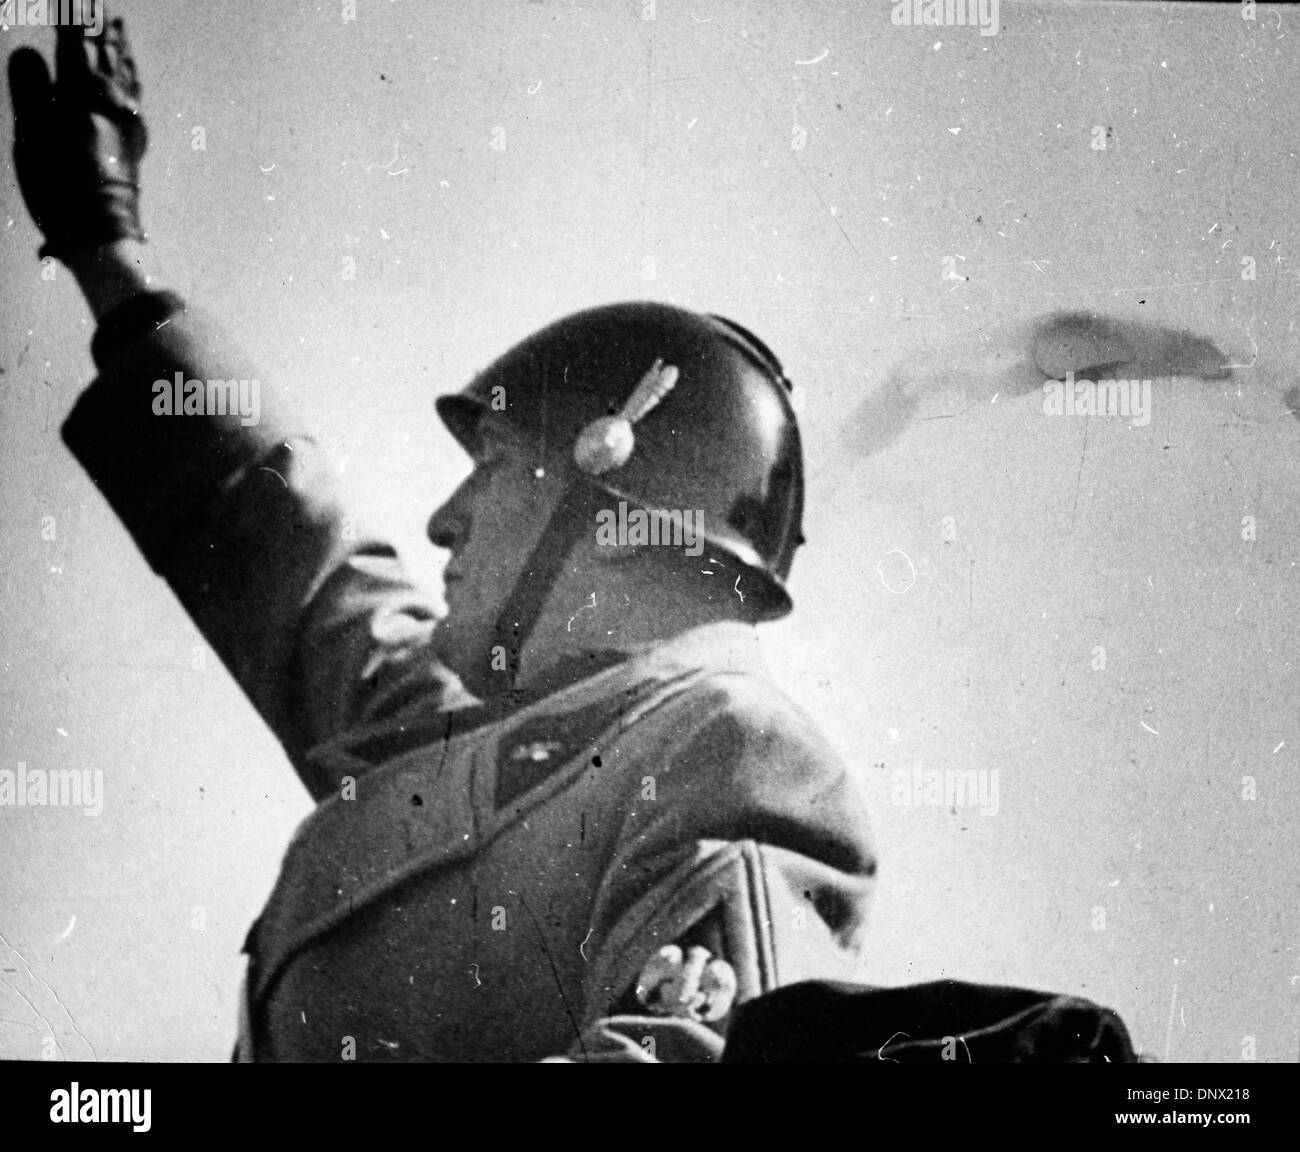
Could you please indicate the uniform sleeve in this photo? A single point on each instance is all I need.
(755, 847)
(239, 512)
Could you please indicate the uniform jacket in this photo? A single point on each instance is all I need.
(477, 882)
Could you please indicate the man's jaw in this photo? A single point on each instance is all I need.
(471, 649)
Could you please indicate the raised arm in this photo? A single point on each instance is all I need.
(221, 485)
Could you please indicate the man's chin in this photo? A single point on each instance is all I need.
(471, 661)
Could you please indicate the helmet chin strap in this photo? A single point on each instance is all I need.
(604, 444)
(574, 515)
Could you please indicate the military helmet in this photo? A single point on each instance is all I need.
(665, 409)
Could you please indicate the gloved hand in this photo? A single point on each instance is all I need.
(78, 142)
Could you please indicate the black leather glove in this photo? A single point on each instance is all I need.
(78, 143)
(946, 1020)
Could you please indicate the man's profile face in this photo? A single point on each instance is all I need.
(490, 525)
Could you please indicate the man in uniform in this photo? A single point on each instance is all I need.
(570, 820)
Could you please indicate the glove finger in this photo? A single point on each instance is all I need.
(125, 70)
(74, 64)
(32, 92)
(109, 47)
(115, 66)
(112, 86)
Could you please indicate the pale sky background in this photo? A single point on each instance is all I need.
(656, 159)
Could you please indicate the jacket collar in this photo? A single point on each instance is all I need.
(725, 646)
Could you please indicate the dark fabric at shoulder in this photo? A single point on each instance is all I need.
(944, 1021)
(539, 748)
(764, 772)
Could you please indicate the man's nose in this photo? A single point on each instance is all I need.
(448, 523)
